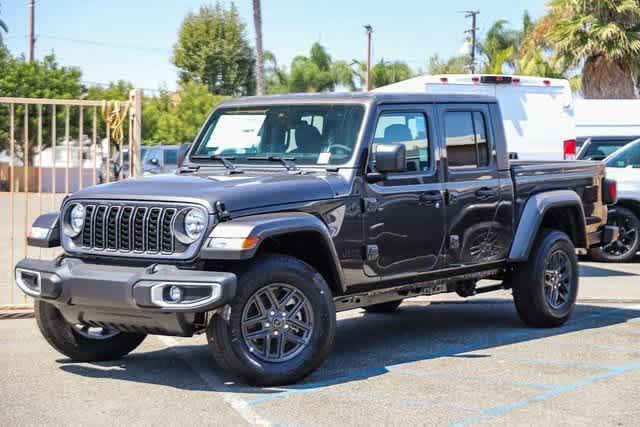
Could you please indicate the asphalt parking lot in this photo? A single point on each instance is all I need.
(442, 361)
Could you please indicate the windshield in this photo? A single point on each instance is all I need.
(600, 149)
(310, 134)
(626, 157)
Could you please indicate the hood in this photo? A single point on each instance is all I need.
(237, 192)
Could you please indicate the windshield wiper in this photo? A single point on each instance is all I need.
(287, 162)
(226, 161)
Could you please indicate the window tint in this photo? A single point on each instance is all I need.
(466, 139)
(170, 157)
(627, 157)
(409, 129)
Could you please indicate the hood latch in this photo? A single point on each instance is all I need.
(222, 212)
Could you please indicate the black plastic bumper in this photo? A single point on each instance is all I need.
(130, 298)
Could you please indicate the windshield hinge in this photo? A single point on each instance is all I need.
(222, 212)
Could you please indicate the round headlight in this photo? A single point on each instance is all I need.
(195, 223)
(76, 220)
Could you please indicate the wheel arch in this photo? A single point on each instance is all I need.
(299, 234)
(559, 209)
(632, 204)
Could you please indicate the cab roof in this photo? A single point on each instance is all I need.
(373, 98)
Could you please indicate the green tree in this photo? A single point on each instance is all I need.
(602, 37)
(175, 118)
(383, 73)
(38, 79)
(117, 91)
(276, 78)
(453, 65)
(318, 72)
(213, 50)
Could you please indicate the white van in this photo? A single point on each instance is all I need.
(603, 118)
(537, 112)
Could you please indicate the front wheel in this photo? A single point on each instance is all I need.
(279, 327)
(545, 288)
(82, 343)
(624, 249)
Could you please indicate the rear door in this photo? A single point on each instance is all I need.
(472, 185)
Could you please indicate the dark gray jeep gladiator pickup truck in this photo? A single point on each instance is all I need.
(289, 209)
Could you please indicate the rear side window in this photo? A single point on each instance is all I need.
(466, 139)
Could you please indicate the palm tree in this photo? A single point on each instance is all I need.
(601, 36)
(257, 22)
(318, 72)
(500, 47)
(383, 73)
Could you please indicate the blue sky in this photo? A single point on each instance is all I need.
(133, 39)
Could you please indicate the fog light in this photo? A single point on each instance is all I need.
(175, 293)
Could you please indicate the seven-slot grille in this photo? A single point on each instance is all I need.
(128, 228)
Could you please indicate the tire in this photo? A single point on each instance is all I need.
(384, 307)
(76, 344)
(249, 358)
(533, 287)
(625, 248)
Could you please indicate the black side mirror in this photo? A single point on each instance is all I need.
(389, 158)
(182, 153)
(154, 161)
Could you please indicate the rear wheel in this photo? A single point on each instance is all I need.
(383, 307)
(279, 327)
(545, 288)
(625, 248)
(82, 343)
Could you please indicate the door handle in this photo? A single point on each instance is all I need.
(486, 193)
(431, 198)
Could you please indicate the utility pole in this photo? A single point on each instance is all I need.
(32, 37)
(472, 14)
(369, 29)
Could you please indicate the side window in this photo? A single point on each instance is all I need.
(170, 157)
(410, 129)
(466, 139)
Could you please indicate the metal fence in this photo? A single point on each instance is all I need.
(48, 149)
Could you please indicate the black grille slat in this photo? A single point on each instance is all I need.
(112, 227)
(134, 228)
(124, 242)
(138, 229)
(99, 227)
(87, 230)
(152, 229)
(166, 231)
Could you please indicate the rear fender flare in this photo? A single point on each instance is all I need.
(531, 219)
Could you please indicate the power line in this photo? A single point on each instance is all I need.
(105, 44)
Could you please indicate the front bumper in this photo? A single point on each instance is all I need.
(129, 298)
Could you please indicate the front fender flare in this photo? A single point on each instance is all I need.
(531, 218)
(225, 242)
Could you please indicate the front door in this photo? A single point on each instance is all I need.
(472, 186)
(404, 213)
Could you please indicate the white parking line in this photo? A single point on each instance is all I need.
(241, 407)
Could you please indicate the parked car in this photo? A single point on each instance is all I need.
(606, 118)
(341, 201)
(160, 159)
(537, 112)
(120, 168)
(623, 166)
(599, 147)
